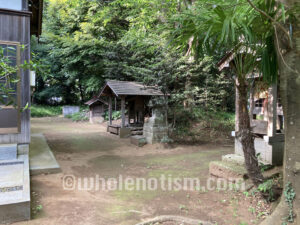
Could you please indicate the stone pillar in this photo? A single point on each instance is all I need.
(155, 128)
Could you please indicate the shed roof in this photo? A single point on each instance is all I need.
(94, 100)
(120, 88)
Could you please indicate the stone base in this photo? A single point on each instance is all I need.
(232, 166)
(8, 151)
(14, 212)
(15, 194)
(154, 134)
(227, 170)
(138, 140)
(270, 150)
(238, 159)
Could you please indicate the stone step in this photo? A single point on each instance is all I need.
(227, 170)
(136, 128)
(138, 140)
(8, 151)
(136, 133)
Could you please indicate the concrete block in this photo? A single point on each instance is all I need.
(14, 212)
(15, 203)
(8, 152)
(124, 132)
(70, 110)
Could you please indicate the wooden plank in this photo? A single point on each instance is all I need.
(110, 110)
(123, 111)
(114, 129)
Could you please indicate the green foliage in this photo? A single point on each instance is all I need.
(78, 117)
(166, 140)
(289, 195)
(8, 77)
(115, 115)
(267, 187)
(84, 43)
(235, 25)
(201, 125)
(45, 111)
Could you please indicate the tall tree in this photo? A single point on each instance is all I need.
(288, 48)
(211, 25)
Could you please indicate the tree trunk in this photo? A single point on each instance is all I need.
(245, 134)
(290, 93)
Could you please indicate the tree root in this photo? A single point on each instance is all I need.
(179, 219)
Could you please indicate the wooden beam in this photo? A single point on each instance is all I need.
(272, 110)
(110, 110)
(123, 110)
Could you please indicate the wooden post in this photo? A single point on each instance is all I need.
(123, 110)
(272, 110)
(237, 96)
(110, 110)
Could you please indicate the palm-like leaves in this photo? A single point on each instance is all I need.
(231, 23)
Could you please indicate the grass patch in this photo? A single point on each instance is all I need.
(177, 161)
(45, 111)
(201, 125)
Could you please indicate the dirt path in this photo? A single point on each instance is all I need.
(85, 150)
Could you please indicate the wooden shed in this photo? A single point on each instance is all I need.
(266, 114)
(97, 109)
(19, 19)
(134, 97)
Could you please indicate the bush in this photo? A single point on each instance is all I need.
(115, 115)
(201, 125)
(45, 111)
(77, 117)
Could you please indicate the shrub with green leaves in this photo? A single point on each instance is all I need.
(115, 115)
(78, 117)
(45, 111)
